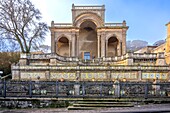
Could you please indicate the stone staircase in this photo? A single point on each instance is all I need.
(91, 104)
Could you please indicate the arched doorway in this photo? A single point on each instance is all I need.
(112, 47)
(87, 40)
(63, 46)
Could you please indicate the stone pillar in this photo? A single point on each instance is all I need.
(16, 75)
(70, 48)
(108, 74)
(121, 51)
(53, 45)
(98, 40)
(47, 75)
(117, 88)
(139, 75)
(129, 58)
(103, 45)
(120, 48)
(106, 48)
(124, 42)
(53, 61)
(77, 85)
(24, 59)
(77, 89)
(156, 86)
(73, 45)
(77, 36)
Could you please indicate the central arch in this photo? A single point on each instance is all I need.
(88, 39)
(112, 46)
(63, 46)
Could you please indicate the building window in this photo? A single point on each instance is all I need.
(87, 55)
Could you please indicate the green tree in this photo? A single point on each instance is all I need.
(21, 21)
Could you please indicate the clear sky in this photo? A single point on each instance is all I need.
(146, 18)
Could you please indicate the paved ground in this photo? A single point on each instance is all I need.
(157, 108)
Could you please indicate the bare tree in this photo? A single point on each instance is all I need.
(20, 21)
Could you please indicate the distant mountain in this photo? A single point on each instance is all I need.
(136, 44)
(159, 42)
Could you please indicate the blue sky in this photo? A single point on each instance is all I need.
(146, 18)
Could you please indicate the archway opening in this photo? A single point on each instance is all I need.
(112, 46)
(63, 46)
(87, 39)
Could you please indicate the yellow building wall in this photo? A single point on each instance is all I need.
(167, 54)
(160, 48)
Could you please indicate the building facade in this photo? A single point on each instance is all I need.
(88, 34)
(88, 49)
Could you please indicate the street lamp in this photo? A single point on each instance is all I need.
(1, 72)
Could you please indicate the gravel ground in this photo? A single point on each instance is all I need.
(152, 108)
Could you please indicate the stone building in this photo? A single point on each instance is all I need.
(88, 34)
(164, 48)
(88, 49)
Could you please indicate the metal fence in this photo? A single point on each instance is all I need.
(50, 89)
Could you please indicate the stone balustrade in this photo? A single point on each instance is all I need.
(144, 56)
(94, 61)
(99, 67)
(62, 25)
(88, 7)
(113, 24)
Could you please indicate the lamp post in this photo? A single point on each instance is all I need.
(1, 72)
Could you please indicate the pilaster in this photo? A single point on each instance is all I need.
(99, 46)
(77, 36)
(53, 45)
(103, 49)
(73, 45)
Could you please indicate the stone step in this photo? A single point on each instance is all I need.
(103, 105)
(81, 108)
(101, 102)
(97, 104)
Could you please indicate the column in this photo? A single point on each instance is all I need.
(70, 48)
(53, 50)
(120, 49)
(103, 46)
(124, 41)
(106, 46)
(77, 36)
(98, 42)
(73, 45)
